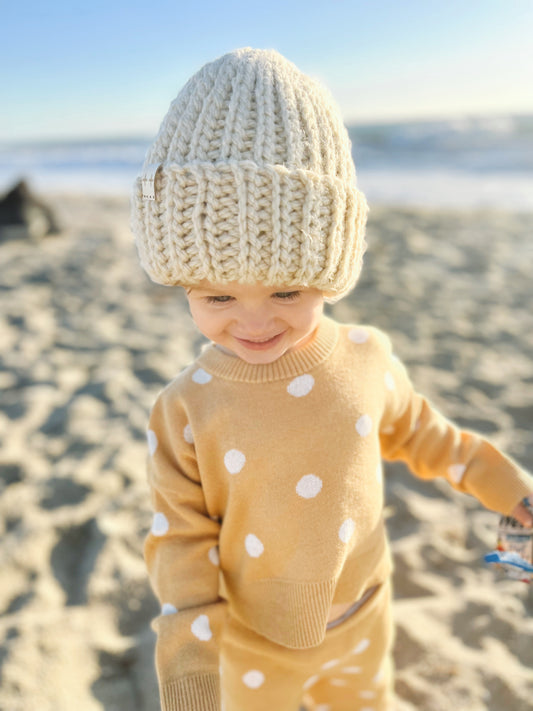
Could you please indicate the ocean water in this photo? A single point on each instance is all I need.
(464, 163)
(471, 162)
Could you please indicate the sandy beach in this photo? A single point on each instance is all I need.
(87, 342)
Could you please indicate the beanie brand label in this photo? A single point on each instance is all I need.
(148, 181)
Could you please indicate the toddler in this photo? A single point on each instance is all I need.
(268, 550)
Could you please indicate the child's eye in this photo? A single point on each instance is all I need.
(287, 295)
(218, 299)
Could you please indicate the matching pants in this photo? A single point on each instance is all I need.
(350, 671)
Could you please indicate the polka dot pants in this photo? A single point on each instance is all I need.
(350, 671)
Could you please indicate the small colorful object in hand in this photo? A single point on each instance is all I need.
(514, 554)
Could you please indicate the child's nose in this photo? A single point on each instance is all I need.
(257, 321)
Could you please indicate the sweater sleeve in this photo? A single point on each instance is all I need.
(182, 559)
(414, 431)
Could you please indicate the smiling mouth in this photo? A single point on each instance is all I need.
(260, 344)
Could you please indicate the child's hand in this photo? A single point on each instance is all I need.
(522, 514)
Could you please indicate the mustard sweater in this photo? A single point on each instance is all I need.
(267, 488)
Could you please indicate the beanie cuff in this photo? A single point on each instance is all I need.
(237, 221)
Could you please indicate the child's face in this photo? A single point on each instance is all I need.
(255, 322)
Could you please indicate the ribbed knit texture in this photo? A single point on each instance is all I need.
(293, 363)
(256, 183)
(200, 693)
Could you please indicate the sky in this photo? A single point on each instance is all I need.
(101, 68)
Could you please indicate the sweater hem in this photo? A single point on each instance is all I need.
(193, 693)
(294, 614)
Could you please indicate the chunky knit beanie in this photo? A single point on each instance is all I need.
(251, 179)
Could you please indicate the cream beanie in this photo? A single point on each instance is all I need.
(251, 179)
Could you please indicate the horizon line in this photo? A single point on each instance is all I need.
(113, 137)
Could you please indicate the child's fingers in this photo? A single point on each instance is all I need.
(523, 515)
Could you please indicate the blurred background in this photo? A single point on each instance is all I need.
(438, 99)
(438, 96)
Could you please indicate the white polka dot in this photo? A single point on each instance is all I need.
(201, 377)
(379, 677)
(253, 679)
(352, 670)
(300, 386)
(187, 434)
(456, 472)
(309, 486)
(160, 524)
(358, 335)
(367, 694)
(312, 680)
(234, 461)
(389, 381)
(253, 545)
(168, 609)
(152, 441)
(361, 647)
(364, 425)
(323, 707)
(214, 555)
(330, 665)
(338, 682)
(200, 628)
(388, 430)
(379, 473)
(347, 529)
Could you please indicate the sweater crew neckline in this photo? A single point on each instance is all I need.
(291, 364)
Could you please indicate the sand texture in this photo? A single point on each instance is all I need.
(86, 344)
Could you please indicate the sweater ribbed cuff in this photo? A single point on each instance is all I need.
(193, 693)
